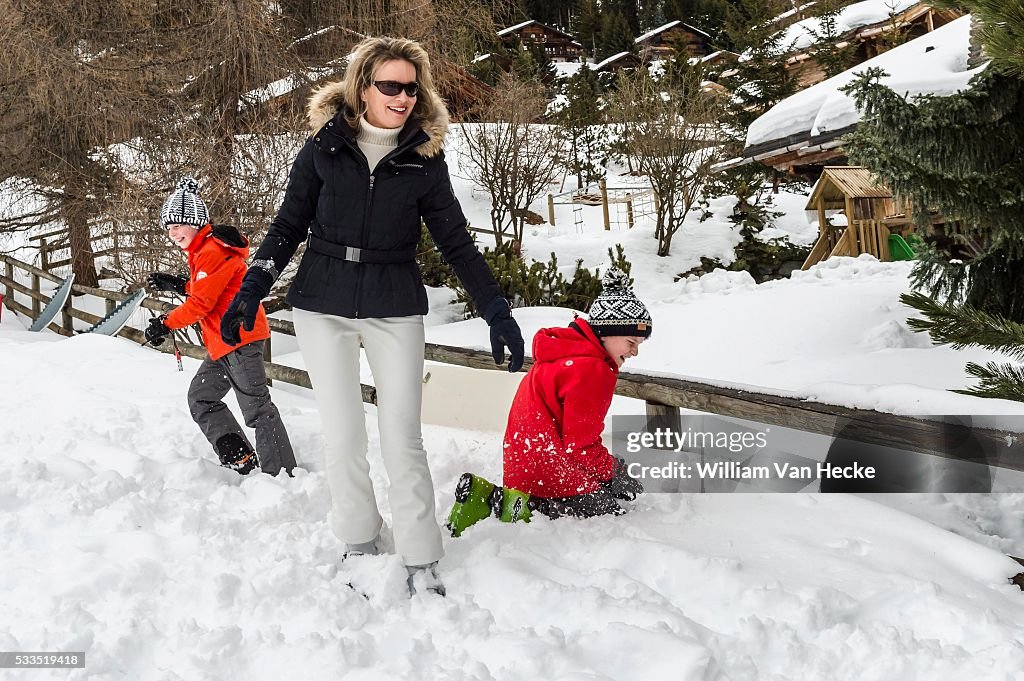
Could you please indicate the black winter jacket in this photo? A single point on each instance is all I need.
(332, 196)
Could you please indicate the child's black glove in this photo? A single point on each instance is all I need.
(621, 485)
(160, 281)
(504, 332)
(157, 331)
(241, 313)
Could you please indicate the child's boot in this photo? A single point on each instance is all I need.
(475, 499)
(237, 454)
(515, 506)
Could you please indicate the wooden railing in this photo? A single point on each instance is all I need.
(663, 396)
(59, 240)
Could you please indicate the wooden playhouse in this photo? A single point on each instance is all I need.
(860, 226)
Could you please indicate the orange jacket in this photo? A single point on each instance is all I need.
(216, 265)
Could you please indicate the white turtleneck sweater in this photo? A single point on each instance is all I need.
(376, 143)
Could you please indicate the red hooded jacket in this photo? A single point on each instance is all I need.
(553, 440)
(216, 265)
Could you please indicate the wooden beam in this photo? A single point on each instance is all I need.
(819, 251)
(844, 246)
(883, 241)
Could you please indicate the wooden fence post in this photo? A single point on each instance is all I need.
(44, 255)
(662, 416)
(37, 290)
(551, 209)
(629, 210)
(604, 205)
(9, 270)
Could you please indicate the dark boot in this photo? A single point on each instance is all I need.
(237, 454)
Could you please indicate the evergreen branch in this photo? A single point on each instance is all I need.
(961, 326)
(997, 381)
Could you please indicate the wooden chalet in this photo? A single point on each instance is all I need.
(618, 62)
(872, 39)
(794, 15)
(805, 132)
(558, 45)
(665, 40)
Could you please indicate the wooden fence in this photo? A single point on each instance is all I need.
(637, 202)
(663, 396)
(59, 240)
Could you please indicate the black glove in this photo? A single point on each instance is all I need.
(157, 331)
(160, 281)
(621, 486)
(504, 332)
(241, 313)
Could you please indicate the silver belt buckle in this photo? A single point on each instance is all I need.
(352, 254)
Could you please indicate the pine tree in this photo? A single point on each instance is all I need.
(587, 26)
(630, 11)
(829, 50)
(579, 122)
(615, 36)
(961, 154)
(758, 82)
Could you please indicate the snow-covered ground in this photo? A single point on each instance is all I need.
(123, 538)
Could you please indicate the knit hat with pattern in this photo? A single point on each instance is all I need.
(617, 311)
(184, 207)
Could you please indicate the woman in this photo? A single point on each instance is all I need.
(373, 168)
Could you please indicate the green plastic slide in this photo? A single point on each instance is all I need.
(900, 249)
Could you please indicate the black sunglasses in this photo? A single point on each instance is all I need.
(393, 87)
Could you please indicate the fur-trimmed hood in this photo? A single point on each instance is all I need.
(326, 101)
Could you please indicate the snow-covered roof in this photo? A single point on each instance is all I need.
(511, 29)
(935, 63)
(662, 29)
(789, 13)
(609, 60)
(805, 33)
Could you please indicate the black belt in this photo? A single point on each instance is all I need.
(367, 255)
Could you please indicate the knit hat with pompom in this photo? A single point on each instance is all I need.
(184, 207)
(617, 311)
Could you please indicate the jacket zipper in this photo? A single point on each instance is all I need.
(362, 244)
(369, 201)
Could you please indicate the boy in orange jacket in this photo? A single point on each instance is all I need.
(216, 263)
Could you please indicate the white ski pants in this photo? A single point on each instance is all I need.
(394, 349)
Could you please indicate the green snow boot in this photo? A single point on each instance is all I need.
(475, 499)
(515, 506)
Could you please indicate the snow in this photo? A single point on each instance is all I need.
(805, 33)
(935, 63)
(568, 69)
(124, 539)
(518, 26)
(672, 24)
(609, 60)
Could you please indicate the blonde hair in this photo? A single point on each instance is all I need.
(367, 56)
